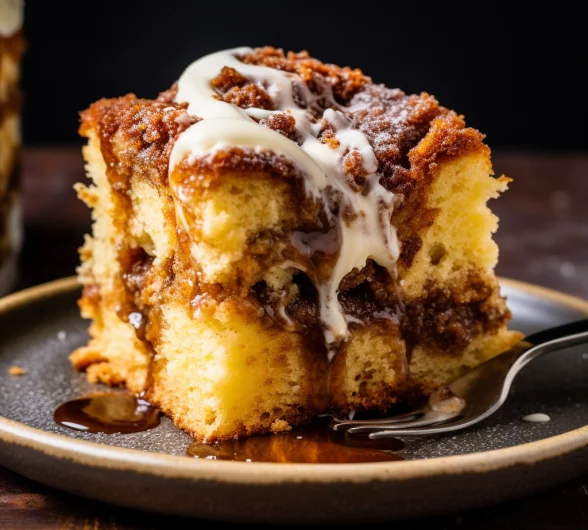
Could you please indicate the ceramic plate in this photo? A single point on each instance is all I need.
(499, 459)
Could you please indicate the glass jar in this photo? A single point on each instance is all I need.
(11, 50)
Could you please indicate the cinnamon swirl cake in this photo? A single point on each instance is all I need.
(11, 49)
(275, 237)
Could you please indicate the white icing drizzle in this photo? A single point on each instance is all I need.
(365, 234)
(11, 16)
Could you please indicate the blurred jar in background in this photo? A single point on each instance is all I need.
(11, 49)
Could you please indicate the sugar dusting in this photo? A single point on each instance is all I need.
(363, 219)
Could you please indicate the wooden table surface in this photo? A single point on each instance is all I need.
(543, 239)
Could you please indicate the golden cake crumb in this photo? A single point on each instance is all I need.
(280, 426)
(16, 370)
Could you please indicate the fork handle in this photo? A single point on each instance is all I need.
(551, 340)
(559, 332)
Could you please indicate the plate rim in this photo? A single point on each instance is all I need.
(98, 455)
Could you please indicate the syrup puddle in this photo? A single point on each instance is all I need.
(107, 413)
(315, 443)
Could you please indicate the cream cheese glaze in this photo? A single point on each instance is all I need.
(11, 16)
(365, 232)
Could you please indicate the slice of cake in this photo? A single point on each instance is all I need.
(11, 49)
(275, 238)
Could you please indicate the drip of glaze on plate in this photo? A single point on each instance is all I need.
(315, 443)
(11, 16)
(537, 417)
(363, 219)
(108, 413)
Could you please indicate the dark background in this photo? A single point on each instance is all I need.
(517, 73)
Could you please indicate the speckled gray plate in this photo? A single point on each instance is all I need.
(500, 459)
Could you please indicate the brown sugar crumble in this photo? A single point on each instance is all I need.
(344, 82)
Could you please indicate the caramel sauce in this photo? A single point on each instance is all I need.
(315, 443)
(107, 413)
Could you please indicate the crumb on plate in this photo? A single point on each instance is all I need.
(16, 370)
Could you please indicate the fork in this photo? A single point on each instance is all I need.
(474, 396)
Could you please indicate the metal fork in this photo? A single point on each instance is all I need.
(474, 396)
